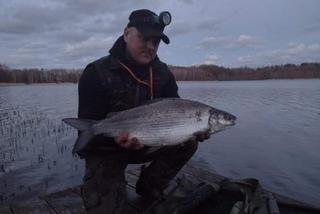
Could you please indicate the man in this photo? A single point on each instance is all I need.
(129, 76)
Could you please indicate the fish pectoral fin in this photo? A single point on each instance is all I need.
(148, 102)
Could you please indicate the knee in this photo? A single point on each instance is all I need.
(183, 151)
(190, 147)
(103, 187)
(100, 197)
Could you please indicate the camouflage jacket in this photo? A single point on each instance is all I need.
(105, 86)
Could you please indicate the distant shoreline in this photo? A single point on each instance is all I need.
(8, 84)
(315, 78)
(70, 83)
(192, 73)
(44, 83)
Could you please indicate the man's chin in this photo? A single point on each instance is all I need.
(144, 60)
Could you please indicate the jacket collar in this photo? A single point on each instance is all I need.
(114, 64)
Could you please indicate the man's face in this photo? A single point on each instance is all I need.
(142, 50)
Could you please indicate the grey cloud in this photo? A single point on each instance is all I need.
(16, 27)
(231, 42)
(51, 33)
(111, 25)
(313, 27)
(96, 6)
(54, 54)
(37, 18)
(187, 26)
(293, 53)
(72, 35)
(208, 24)
(187, 1)
(212, 59)
(23, 58)
(88, 47)
(209, 42)
(33, 18)
(30, 52)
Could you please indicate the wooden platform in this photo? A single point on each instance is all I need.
(69, 201)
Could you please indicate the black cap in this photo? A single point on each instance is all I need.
(147, 22)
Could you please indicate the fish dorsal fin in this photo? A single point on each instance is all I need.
(148, 102)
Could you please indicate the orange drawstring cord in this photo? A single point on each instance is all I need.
(150, 84)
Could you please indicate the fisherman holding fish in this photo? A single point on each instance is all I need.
(129, 76)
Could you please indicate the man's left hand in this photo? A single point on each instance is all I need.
(202, 136)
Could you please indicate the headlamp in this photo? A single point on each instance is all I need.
(165, 18)
(152, 20)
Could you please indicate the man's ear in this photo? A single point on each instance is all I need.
(126, 34)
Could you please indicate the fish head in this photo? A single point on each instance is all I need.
(219, 120)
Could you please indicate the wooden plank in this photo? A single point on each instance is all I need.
(31, 210)
(134, 171)
(202, 174)
(31, 207)
(67, 201)
(131, 179)
(135, 202)
(5, 210)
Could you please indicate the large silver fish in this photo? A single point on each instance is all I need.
(168, 121)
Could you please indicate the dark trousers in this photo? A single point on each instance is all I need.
(104, 186)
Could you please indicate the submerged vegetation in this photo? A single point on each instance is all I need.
(198, 73)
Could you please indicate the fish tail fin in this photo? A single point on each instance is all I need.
(83, 139)
(80, 124)
(86, 132)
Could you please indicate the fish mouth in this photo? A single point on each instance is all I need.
(219, 120)
(229, 117)
(222, 116)
(230, 122)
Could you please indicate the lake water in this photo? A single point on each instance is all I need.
(276, 138)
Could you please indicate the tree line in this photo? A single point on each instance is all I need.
(193, 73)
(213, 72)
(34, 75)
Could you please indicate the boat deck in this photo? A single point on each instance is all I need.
(69, 201)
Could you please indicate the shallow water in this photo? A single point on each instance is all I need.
(276, 138)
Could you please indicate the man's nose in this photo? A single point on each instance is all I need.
(150, 44)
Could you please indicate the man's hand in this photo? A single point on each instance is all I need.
(124, 141)
(201, 136)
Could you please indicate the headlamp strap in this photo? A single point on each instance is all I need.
(150, 84)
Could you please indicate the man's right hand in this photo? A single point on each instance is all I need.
(123, 140)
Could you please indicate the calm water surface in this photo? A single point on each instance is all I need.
(276, 138)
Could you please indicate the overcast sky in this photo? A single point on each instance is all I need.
(230, 33)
